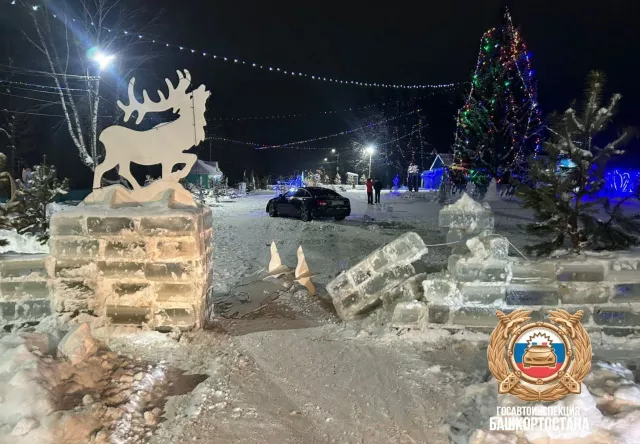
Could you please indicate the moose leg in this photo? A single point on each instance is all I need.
(125, 171)
(188, 159)
(166, 170)
(105, 166)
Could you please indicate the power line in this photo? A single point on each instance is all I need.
(40, 114)
(33, 72)
(37, 85)
(254, 65)
(31, 98)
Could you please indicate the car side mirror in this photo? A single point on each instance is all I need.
(281, 195)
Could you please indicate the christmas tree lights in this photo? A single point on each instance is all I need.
(499, 125)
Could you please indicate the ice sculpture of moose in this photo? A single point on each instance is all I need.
(163, 144)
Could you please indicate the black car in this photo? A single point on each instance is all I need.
(309, 203)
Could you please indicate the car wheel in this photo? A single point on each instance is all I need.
(272, 211)
(305, 215)
(339, 217)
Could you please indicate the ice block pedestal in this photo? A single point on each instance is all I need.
(134, 265)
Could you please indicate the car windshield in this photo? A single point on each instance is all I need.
(323, 192)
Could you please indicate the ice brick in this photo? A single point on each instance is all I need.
(362, 286)
(32, 266)
(390, 277)
(441, 290)
(533, 271)
(476, 316)
(522, 294)
(438, 314)
(409, 290)
(618, 316)
(484, 293)
(629, 292)
(488, 270)
(66, 226)
(109, 225)
(582, 272)
(409, 313)
(583, 293)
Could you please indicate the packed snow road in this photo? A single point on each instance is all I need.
(243, 232)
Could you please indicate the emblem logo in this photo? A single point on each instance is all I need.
(539, 361)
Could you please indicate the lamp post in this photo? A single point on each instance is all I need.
(370, 149)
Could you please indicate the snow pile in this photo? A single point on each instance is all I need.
(609, 400)
(84, 394)
(21, 243)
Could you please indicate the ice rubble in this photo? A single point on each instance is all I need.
(84, 394)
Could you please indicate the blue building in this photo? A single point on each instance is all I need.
(432, 178)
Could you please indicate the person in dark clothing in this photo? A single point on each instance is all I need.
(377, 186)
(369, 191)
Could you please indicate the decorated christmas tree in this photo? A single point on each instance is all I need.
(499, 125)
(569, 204)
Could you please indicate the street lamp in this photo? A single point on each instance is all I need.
(370, 150)
(103, 60)
(325, 159)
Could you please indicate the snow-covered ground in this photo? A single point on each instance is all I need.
(293, 373)
(21, 243)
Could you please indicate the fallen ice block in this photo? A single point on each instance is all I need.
(409, 313)
(361, 287)
(466, 214)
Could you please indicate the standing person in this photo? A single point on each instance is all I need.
(369, 191)
(377, 186)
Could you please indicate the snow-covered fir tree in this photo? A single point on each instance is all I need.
(569, 205)
(337, 180)
(33, 197)
(6, 179)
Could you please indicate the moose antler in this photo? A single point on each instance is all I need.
(175, 97)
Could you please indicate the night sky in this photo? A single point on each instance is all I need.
(387, 42)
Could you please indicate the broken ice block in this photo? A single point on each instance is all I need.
(441, 290)
(409, 313)
(497, 247)
(477, 248)
(361, 287)
(466, 214)
(483, 270)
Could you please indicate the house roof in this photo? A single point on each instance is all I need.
(206, 168)
(446, 159)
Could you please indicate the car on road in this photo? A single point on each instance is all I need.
(310, 203)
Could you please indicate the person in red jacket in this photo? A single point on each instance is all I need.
(369, 191)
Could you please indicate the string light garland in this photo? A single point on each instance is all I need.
(332, 112)
(253, 144)
(341, 133)
(500, 124)
(296, 147)
(255, 65)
